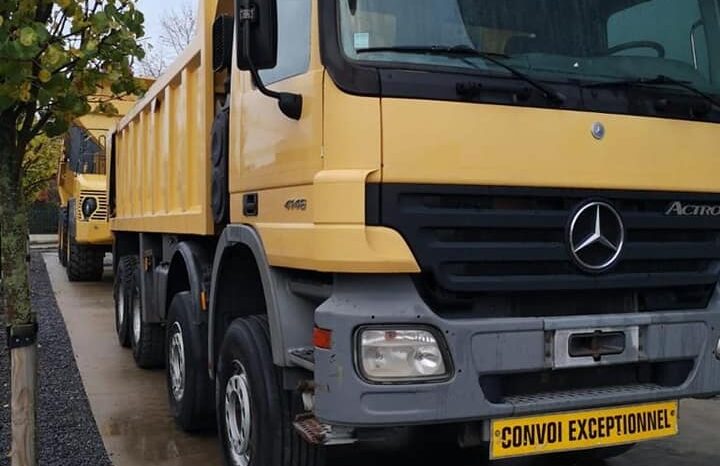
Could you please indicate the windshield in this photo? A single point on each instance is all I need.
(586, 40)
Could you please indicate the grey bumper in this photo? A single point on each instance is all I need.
(492, 346)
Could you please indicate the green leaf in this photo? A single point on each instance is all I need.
(62, 69)
(100, 20)
(28, 37)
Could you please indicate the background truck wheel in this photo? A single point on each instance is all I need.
(84, 263)
(254, 413)
(62, 235)
(147, 340)
(123, 315)
(188, 383)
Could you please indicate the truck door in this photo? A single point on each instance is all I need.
(276, 151)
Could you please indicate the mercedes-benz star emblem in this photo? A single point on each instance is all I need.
(596, 236)
(598, 130)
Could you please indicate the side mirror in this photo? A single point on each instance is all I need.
(257, 34)
(223, 36)
(257, 42)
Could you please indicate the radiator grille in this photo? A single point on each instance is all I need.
(101, 213)
(506, 248)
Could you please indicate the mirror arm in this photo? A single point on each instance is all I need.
(290, 104)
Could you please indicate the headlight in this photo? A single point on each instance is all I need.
(717, 350)
(401, 355)
(89, 206)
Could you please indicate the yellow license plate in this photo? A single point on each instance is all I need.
(579, 430)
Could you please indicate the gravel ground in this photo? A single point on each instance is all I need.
(67, 431)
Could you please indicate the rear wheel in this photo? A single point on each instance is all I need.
(188, 383)
(123, 282)
(147, 339)
(254, 412)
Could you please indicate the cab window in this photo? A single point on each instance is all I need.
(673, 25)
(293, 41)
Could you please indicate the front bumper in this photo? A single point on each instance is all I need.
(93, 232)
(496, 347)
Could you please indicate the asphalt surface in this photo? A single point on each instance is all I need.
(67, 434)
(131, 413)
(129, 404)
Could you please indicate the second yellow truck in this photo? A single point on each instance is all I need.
(83, 223)
(487, 223)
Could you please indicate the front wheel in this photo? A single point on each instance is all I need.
(254, 412)
(84, 262)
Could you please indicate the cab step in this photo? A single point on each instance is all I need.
(317, 433)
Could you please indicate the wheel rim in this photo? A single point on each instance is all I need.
(137, 321)
(177, 362)
(238, 415)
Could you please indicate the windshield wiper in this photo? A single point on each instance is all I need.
(466, 51)
(659, 80)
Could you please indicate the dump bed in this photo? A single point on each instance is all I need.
(160, 174)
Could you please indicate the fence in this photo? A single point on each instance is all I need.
(43, 218)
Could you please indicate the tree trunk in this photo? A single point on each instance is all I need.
(16, 296)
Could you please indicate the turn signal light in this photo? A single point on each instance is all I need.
(322, 338)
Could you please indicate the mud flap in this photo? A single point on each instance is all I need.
(220, 151)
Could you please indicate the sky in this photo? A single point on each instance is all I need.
(154, 11)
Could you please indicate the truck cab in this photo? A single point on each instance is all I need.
(83, 230)
(495, 218)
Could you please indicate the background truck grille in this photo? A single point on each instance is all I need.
(504, 250)
(102, 211)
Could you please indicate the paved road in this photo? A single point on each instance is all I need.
(130, 405)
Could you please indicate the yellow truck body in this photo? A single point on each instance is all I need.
(428, 214)
(168, 192)
(94, 230)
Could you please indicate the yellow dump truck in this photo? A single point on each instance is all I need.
(83, 227)
(488, 224)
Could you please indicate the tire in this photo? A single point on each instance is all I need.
(123, 280)
(147, 340)
(188, 384)
(84, 263)
(246, 372)
(62, 236)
